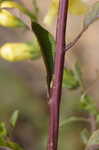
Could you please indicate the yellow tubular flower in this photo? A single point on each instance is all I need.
(18, 51)
(8, 20)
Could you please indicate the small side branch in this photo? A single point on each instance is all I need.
(71, 44)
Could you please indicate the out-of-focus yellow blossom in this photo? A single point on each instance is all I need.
(76, 7)
(19, 51)
(4, 0)
(53, 10)
(8, 20)
(12, 4)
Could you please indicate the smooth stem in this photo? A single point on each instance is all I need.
(54, 103)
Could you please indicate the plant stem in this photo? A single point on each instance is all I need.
(92, 120)
(54, 103)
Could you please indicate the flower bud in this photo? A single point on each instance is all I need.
(8, 20)
(19, 51)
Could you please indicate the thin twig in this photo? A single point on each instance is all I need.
(71, 44)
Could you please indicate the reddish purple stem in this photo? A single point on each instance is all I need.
(54, 103)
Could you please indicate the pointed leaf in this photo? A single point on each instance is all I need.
(47, 45)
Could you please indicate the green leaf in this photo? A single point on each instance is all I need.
(93, 140)
(69, 79)
(36, 51)
(14, 118)
(72, 119)
(85, 136)
(87, 104)
(3, 131)
(92, 15)
(47, 45)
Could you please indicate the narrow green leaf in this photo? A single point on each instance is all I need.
(69, 79)
(92, 15)
(14, 118)
(47, 45)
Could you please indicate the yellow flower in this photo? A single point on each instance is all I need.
(53, 10)
(8, 20)
(19, 51)
(77, 7)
